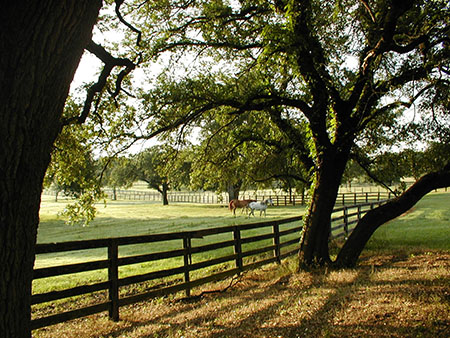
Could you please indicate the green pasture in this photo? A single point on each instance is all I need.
(134, 218)
(131, 218)
(426, 226)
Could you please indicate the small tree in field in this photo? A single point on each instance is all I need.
(119, 173)
(161, 169)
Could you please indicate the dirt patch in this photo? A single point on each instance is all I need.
(385, 296)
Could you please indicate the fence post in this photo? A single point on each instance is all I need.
(187, 262)
(113, 278)
(276, 242)
(238, 247)
(346, 221)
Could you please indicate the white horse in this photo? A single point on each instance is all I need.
(261, 206)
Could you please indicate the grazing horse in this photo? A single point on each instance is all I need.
(261, 206)
(235, 203)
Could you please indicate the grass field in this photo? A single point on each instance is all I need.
(399, 289)
(130, 218)
(134, 218)
(426, 226)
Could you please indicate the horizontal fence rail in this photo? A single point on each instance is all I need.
(345, 218)
(211, 198)
(274, 240)
(241, 248)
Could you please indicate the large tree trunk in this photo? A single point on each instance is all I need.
(41, 44)
(316, 227)
(233, 190)
(371, 221)
(164, 191)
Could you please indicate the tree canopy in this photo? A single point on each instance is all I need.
(327, 79)
(283, 84)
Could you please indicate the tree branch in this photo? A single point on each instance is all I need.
(369, 10)
(385, 40)
(374, 218)
(109, 63)
(134, 29)
(282, 176)
(359, 160)
(212, 44)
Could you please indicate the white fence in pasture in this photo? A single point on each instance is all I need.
(213, 198)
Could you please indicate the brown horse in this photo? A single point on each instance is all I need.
(235, 203)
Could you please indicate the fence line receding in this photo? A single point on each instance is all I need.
(228, 250)
(240, 248)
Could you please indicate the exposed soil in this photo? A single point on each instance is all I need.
(385, 296)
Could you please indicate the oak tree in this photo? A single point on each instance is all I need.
(328, 75)
(41, 44)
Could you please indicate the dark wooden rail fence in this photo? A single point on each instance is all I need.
(284, 235)
(346, 216)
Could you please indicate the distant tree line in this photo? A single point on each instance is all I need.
(75, 172)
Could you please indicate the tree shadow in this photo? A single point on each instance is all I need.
(274, 302)
(264, 308)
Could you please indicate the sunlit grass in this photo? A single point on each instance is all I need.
(402, 252)
(134, 218)
(425, 226)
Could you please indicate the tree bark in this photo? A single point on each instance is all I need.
(41, 44)
(233, 190)
(114, 198)
(316, 227)
(164, 191)
(371, 221)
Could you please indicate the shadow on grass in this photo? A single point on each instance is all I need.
(365, 302)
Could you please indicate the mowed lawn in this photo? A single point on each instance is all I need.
(425, 226)
(135, 218)
(132, 218)
(400, 287)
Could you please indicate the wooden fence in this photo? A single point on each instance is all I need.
(283, 234)
(212, 198)
(346, 217)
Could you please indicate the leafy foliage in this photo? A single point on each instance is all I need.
(162, 168)
(279, 84)
(74, 171)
